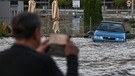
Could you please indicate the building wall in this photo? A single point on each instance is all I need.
(17, 8)
(5, 11)
(8, 10)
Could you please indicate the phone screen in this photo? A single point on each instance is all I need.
(57, 44)
(60, 39)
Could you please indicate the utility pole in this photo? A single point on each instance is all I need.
(132, 8)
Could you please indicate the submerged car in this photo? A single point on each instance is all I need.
(110, 31)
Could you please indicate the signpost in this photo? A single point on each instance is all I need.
(76, 3)
(128, 4)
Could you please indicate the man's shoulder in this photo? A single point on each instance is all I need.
(25, 52)
(44, 56)
(4, 51)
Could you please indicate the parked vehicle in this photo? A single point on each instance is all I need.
(110, 31)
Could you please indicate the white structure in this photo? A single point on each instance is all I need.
(8, 9)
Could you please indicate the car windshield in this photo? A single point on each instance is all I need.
(113, 27)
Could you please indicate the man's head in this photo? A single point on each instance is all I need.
(26, 26)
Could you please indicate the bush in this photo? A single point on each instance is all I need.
(5, 33)
(130, 36)
(132, 23)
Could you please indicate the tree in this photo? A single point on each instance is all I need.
(82, 3)
(65, 3)
(92, 8)
(119, 3)
(25, 3)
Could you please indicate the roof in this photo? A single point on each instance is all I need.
(112, 21)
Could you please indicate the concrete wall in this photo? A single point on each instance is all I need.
(7, 11)
(20, 6)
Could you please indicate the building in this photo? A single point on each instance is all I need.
(8, 9)
(41, 4)
(108, 4)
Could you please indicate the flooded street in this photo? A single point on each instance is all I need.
(97, 59)
(104, 59)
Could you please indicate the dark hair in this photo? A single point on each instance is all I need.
(24, 24)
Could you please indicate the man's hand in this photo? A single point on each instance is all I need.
(42, 47)
(71, 49)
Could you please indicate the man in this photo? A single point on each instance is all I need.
(27, 58)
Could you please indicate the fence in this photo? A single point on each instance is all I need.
(68, 24)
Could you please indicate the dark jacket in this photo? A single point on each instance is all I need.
(21, 60)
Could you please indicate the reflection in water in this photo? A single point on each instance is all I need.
(76, 25)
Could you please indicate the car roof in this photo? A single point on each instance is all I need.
(111, 21)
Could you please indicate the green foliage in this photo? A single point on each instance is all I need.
(26, 3)
(65, 3)
(130, 36)
(82, 3)
(5, 33)
(132, 23)
(119, 2)
(62, 3)
(92, 8)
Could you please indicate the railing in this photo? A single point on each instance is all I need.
(111, 11)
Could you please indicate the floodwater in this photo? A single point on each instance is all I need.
(97, 59)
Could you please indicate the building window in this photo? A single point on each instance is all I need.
(14, 2)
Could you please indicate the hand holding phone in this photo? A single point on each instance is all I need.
(57, 44)
(71, 49)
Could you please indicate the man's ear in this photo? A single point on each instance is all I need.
(37, 33)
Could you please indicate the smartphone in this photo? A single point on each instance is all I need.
(57, 43)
